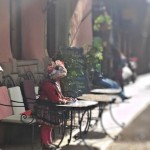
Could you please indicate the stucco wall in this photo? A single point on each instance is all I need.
(32, 20)
(5, 50)
(81, 24)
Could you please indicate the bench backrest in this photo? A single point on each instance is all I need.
(17, 100)
(5, 111)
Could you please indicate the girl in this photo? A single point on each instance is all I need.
(50, 90)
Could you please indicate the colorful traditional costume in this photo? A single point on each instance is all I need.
(50, 90)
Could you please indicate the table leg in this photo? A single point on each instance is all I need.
(112, 116)
(71, 117)
(80, 124)
(87, 123)
(63, 128)
(86, 126)
(101, 122)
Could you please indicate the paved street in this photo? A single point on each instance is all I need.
(134, 113)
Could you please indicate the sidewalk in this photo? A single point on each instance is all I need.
(125, 112)
(136, 135)
(129, 112)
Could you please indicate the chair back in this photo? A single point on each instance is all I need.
(8, 81)
(28, 93)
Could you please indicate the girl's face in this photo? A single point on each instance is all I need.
(58, 71)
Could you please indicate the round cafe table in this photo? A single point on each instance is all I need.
(103, 100)
(80, 106)
(110, 91)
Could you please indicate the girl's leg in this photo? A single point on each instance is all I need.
(46, 134)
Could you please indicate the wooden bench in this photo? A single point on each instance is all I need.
(11, 110)
(12, 107)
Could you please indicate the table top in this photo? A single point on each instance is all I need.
(97, 97)
(106, 91)
(79, 104)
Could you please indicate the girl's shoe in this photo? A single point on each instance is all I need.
(49, 146)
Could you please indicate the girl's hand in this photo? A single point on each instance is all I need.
(67, 98)
(64, 101)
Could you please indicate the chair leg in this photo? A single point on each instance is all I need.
(32, 136)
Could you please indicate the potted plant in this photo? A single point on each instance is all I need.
(74, 62)
(94, 56)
